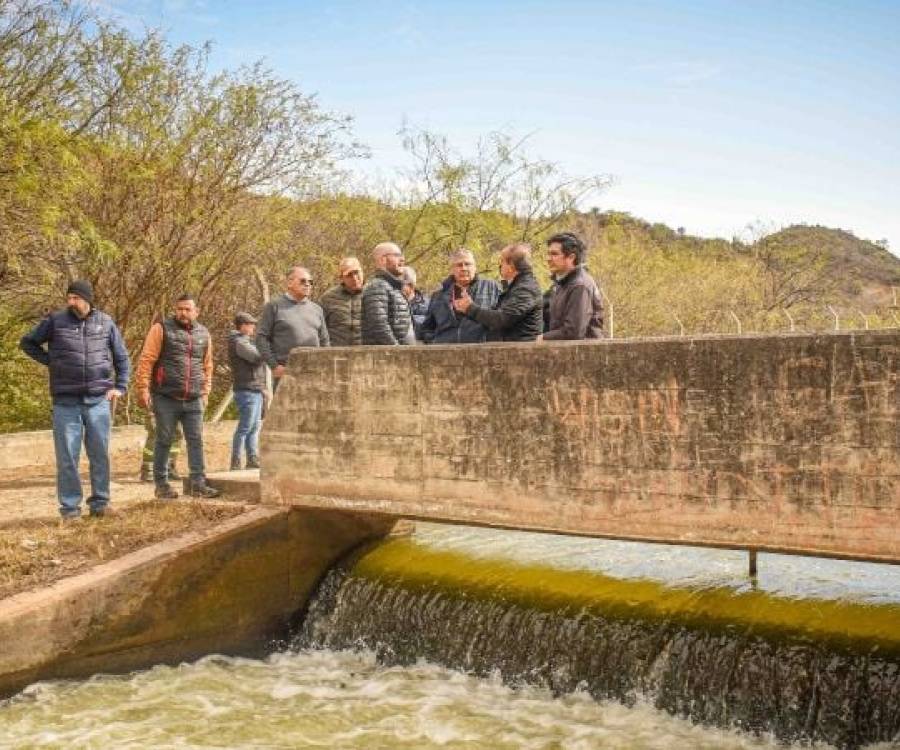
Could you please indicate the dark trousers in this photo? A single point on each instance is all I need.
(169, 412)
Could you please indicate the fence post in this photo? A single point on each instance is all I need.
(680, 324)
(837, 320)
(863, 316)
(737, 320)
(790, 319)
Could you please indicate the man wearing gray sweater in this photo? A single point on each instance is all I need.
(290, 321)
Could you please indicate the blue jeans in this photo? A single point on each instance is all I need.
(74, 423)
(249, 405)
(169, 412)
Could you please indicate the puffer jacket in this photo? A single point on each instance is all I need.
(386, 318)
(443, 325)
(179, 371)
(86, 357)
(343, 316)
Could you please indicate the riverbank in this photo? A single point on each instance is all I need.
(36, 552)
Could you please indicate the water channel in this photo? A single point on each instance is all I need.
(354, 677)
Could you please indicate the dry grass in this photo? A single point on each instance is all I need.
(36, 553)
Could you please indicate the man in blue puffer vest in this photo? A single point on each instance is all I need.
(89, 370)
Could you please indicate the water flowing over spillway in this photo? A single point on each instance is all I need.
(801, 669)
(538, 629)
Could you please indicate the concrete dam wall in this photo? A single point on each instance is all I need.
(778, 443)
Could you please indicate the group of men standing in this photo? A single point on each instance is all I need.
(89, 365)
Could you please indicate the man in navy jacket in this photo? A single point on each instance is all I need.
(89, 368)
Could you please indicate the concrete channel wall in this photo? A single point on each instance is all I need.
(778, 443)
(230, 589)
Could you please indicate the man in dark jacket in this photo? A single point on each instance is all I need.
(386, 317)
(342, 305)
(576, 308)
(248, 373)
(518, 315)
(176, 367)
(89, 369)
(443, 324)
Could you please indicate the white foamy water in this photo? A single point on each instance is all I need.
(334, 700)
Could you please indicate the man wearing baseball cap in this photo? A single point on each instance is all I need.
(89, 368)
(248, 371)
(342, 305)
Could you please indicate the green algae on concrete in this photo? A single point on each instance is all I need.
(859, 627)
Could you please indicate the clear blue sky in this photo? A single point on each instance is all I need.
(711, 115)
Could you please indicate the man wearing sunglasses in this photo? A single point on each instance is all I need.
(290, 321)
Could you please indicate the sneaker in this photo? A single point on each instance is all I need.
(202, 489)
(174, 475)
(236, 465)
(98, 512)
(253, 462)
(66, 518)
(165, 492)
(146, 472)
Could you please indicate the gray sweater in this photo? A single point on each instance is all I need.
(285, 324)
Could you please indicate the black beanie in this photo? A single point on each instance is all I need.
(83, 288)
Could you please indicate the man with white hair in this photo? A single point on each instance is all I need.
(386, 318)
(290, 321)
(443, 324)
(518, 315)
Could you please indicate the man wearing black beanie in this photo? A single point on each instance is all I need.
(89, 368)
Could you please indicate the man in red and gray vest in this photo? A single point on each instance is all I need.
(174, 375)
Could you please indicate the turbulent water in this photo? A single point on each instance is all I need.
(331, 699)
(381, 695)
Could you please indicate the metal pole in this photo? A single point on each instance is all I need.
(791, 319)
(752, 561)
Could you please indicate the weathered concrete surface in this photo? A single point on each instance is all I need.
(31, 453)
(780, 443)
(227, 590)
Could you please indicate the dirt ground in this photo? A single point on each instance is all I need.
(36, 548)
(30, 496)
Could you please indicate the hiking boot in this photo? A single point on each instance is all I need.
(236, 465)
(146, 472)
(203, 490)
(100, 512)
(165, 491)
(173, 473)
(253, 462)
(66, 518)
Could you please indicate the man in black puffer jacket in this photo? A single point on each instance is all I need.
(518, 315)
(89, 370)
(385, 311)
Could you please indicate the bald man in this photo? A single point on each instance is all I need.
(386, 318)
(342, 305)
